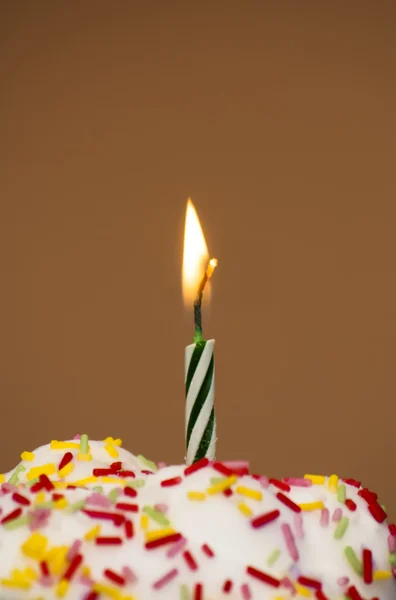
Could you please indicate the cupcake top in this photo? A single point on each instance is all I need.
(89, 520)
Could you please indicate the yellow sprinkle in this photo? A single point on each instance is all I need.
(303, 591)
(56, 559)
(66, 470)
(30, 573)
(249, 492)
(48, 469)
(316, 479)
(312, 506)
(61, 588)
(60, 485)
(333, 482)
(196, 496)
(40, 497)
(35, 546)
(222, 485)
(111, 450)
(84, 456)
(378, 575)
(107, 590)
(86, 571)
(114, 442)
(60, 504)
(157, 534)
(29, 456)
(55, 445)
(92, 533)
(82, 482)
(2, 477)
(245, 510)
(117, 480)
(144, 522)
(20, 584)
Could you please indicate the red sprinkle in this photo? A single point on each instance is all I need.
(19, 499)
(56, 497)
(261, 576)
(168, 539)
(44, 568)
(127, 506)
(117, 518)
(207, 550)
(126, 474)
(128, 491)
(367, 566)
(103, 472)
(108, 541)
(160, 583)
(353, 594)
(147, 472)
(171, 481)
(287, 502)
(198, 591)
(72, 568)
(319, 595)
(129, 529)
(116, 466)
(228, 492)
(377, 512)
(392, 529)
(285, 487)
(190, 560)
(92, 595)
(370, 497)
(11, 516)
(264, 519)
(350, 504)
(43, 482)
(352, 482)
(200, 464)
(65, 460)
(221, 468)
(227, 587)
(311, 583)
(114, 577)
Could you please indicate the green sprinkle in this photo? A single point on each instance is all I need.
(113, 495)
(273, 557)
(216, 480)
(49, 504)
(184, 595)
(15, 523)
(341, 493)
(98, 489)
(392, 559)
(84, 444)
(136, 483)
(353, 560)
(15, 476)
(76, 506)
(157, 516)
(341, 528)
(147, 463)
(30, 483)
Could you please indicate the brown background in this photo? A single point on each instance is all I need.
(279, 120)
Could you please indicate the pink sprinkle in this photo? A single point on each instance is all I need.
(324, 517)
(161, 465)
(77, 437)
(392, 544)
(46, 581)
(129, 575)
(39, 518)
(73, 550)
(285, 582)
(290, 542)
(160, 583)
(264, 482)
(245, 591)
(8, 488)
(298, 525)
(343, 581)
(99, 500)
(337, 515)
(298, 481)
(87, 581)
(176, 548)
(161, 507)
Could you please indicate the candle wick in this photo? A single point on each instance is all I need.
(198, 300)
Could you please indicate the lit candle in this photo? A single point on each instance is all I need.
(199, 358)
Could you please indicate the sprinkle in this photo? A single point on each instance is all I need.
(245, 592)
(55, 445)
(176, 548)
(76, 506)
(310, 583)
(144, 522)
(337, 515)
(245, 510)
(380, 575)
(287, 502)
(200, 464)
(16, 583)
(207, 550)
(73, 566)
(148, 463)
(392, 529)
(16, 523)
(298, 525)
(221, 468)
(114, 577)
(325, 517)
(97, 499)
(129, 531)
(265, 518)
(19, 499)
(125, 473)
(84, 456)
(12, 515)
(156, 516)
(108, 541)
(341, 528)
(117, 518)
(350, 504)
(15, 475)
(130, 492)
(127, 506)
(84, 444)
(198, 591)
(343, 581)
(281, 485)
(92, 533)
(113, 452)
(249, 492)
(190, 560)
(302, 591)
(353, 560)
(238, 467)
(298, 481)
(273, 557)
(66, 459)
(66, 470)
(160, 583)
(227, 586)
(28, 456)
(223, 485)
(169, 539)
(106, 590)
(341, 493)
(170, 482)
(392, 559)
(352, 482)
(391, 543)
(129, 575)
(200, 496)
(316, 479)
(367, 566)
(309, 506)
(114, 442)
(367, 495)
(48, 469)
(263, 577)
(184, 595)
(2, 478)
(290, 541)
(85, 481)
(113, 495)
(377, 512)
(333, 483)
(35, 546)
(137, 483)
(159, 533)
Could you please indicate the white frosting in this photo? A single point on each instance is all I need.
(216, 521)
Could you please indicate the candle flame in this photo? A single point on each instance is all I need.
(195, 257)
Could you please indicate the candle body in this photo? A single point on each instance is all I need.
(200, 391)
